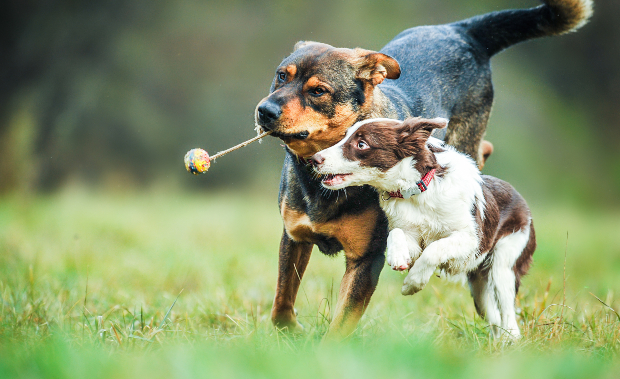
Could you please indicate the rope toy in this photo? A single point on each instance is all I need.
(197, 161)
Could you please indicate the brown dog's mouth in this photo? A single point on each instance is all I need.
(333, 180)
(290, 136)
(283, 136)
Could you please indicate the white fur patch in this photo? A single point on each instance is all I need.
(397, 255)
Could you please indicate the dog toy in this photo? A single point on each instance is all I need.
(197, 161)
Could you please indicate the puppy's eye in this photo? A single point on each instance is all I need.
(281, 76)
(362, 145)
(318, 91)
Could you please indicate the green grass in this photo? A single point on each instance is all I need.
(87, 280)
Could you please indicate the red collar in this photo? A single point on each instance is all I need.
(422, 185)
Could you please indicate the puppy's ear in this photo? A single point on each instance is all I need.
(301, 44)
(376, 67)
(419, 128)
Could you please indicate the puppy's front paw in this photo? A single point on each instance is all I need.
(415, 281)
(397, 251)
(412, 286)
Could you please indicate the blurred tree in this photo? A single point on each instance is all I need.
(56, 57)
(115, 92)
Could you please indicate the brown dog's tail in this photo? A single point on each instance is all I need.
(498, 30)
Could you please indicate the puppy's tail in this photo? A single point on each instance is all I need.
(499, 30)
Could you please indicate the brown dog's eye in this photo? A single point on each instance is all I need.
(318, 91)
(281, 76)
(362, 145)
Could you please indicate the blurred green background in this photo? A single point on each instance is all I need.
(113, 93)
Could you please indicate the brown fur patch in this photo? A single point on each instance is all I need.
(357, 286)
(297, 224)
(487, 228)
(505, 212)
(291, 70)
(323, 131)
(522, 265)
(353, 231)
(374, 67)
(314, 82)
(294, 258)
(347, 316)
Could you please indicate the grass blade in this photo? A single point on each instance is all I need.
(169, 310)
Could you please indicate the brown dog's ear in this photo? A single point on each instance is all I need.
(376, 67)
(419, 128)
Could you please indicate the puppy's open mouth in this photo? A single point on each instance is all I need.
(333, 180)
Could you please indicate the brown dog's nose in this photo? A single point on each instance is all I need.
(317, 159)
(268, 112)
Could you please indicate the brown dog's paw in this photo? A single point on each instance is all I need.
(296, 328)
(291, 326)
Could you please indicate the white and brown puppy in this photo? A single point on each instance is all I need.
(443, 214)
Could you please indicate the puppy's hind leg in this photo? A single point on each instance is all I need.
(485, 300)
(502, 277)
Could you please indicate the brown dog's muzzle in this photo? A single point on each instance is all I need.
(269, 116)
(267, 113)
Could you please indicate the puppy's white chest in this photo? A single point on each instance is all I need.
(427, 223)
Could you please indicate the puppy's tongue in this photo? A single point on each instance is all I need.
(334, 179)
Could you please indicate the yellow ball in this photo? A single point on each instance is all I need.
(197, 161)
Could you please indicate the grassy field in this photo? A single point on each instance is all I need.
(169, 284)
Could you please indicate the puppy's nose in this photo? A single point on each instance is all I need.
(268, 112)
(317, 159)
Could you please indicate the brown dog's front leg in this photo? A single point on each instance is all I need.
(294, 257)
(357, 286)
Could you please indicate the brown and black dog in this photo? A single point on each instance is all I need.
(320, 91)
